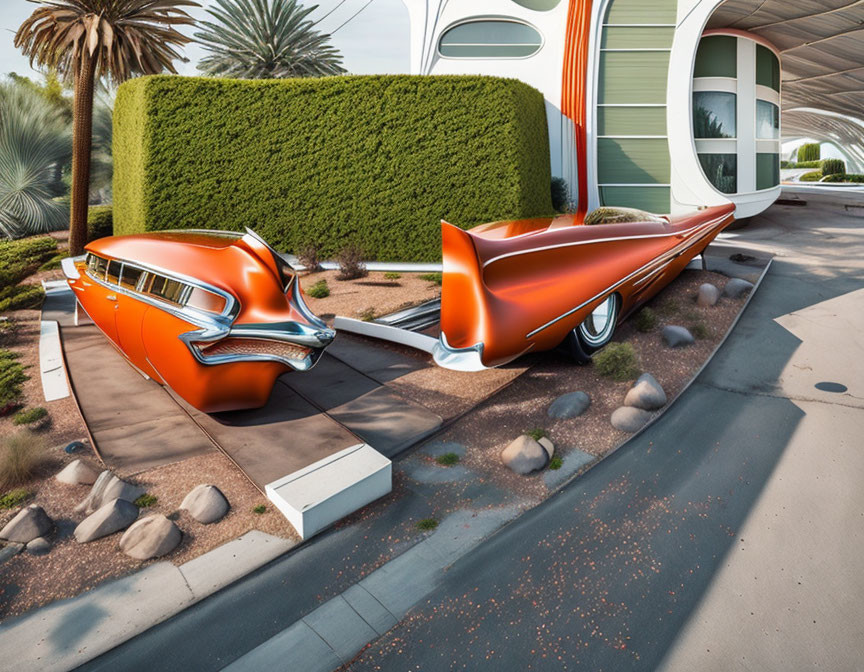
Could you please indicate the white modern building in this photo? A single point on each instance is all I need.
(678, 103)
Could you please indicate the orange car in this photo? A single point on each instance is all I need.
(215, 316)
(522, 286)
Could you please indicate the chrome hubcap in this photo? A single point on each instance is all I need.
(598, 326)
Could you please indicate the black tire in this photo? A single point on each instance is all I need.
(595, 331)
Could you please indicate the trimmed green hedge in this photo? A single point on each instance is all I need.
(833, 167)
(100, 222)
(809, 152)
(374, 161)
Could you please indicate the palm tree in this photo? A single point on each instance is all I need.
(86, 39)
(34, 143)
(263, 39)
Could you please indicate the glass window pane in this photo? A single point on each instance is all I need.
(490, 39)
(130, 276)
(169, 290)
(717, 56)
(96, 266)
(767, 120)
(204, 300)
(113, 274)
(767, 68)
(721, 170)
(714, 114)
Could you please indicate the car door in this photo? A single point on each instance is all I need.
(129, 320)
(98, 300)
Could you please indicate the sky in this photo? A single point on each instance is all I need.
(376, 41)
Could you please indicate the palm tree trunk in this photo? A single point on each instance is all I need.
(82, 139)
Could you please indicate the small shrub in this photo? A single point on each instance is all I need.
(813, 176)
(367, 314)
(560, 194)
(537, 433)
(646, 320)
(146, 500)
(787, 164)
(8, 327)
(12, 377)
(667, 307)
(100, 222)
(807, 164)
(20, 258)
(54, 262)
(319, 290)
(21, 455)
(13, 498)
(809, 151)
(617, 361)
(692, 315)
(427, 524)
(833, 167)
(20, 297)
(848, 177)
(259, 509)
(392, 276)
(351, 264)
(29, 416)
(700, 331)
(308, 256)
(555, 463)
(435, 278)
(447, 459)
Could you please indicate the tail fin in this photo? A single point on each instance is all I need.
(463, 294)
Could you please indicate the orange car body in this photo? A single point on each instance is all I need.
(215, 316)
(520, 286)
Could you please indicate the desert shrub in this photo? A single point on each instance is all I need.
(617, 361)
(351, 264)
(556, 462)
(100, 222)
(560, 194)
(608, 215)
(427, 524)
(367, 314)
(20, 297)
(392, 276)
(537, 433)
(21, 455)
(8, 328)
(812, 176)
(146, 500)
(646, 320)
(259, 509)
(833, 167)
(13, 498)
(12, 377)
(330, 159)
(29, 416)
(308, 256)
(434, 278)
(54, 262)
(447, 459)
(809, 151)
(319, 290)
(700, 331)
(20, 258)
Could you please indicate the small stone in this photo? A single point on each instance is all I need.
(524, 455)
(736, 288)
(74, 447)
(548, 446)
(31, 522)
(9, 550)
(629, 419)
(708, 295)
(206, 504)
(39, 546)
(646, 394)
(150, 537)
(106, 488)
(677, 337)
(570, 405)
(78, 472)
(116, 515)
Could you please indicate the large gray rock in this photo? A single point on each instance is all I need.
(150, 537)
(206, 504)
(524, 455)
(106, 488)
(677, 337)
(736, 288)
(78, 472)
(629, 419)
(646, 394)
(31, 522)
(9, 550)
(548, 446)
(570, 405)
(116, 515)
(39, 546)
(708, 295)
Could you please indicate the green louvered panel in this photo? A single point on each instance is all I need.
(633, 77)
(767, 68)
(767, 171)
(631, 121)
(717, 56)
(642, 11)
(632, 161)
(637, 37)
(652, 199)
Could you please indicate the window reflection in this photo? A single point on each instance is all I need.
(767, 120)
(721, 170)
(714, 114)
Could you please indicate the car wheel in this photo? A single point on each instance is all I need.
(595, 331)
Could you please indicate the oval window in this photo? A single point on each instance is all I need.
(538, 5)
(490, 39)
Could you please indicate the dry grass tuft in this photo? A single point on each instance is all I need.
(21, 456)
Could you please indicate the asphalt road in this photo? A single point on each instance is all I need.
(729, 536)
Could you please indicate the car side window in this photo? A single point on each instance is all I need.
(113, 273)
(96, 266)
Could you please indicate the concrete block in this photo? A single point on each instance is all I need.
(51, 367)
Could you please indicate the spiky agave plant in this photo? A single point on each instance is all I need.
(34, 145)
(89, 39)
(265, 39)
